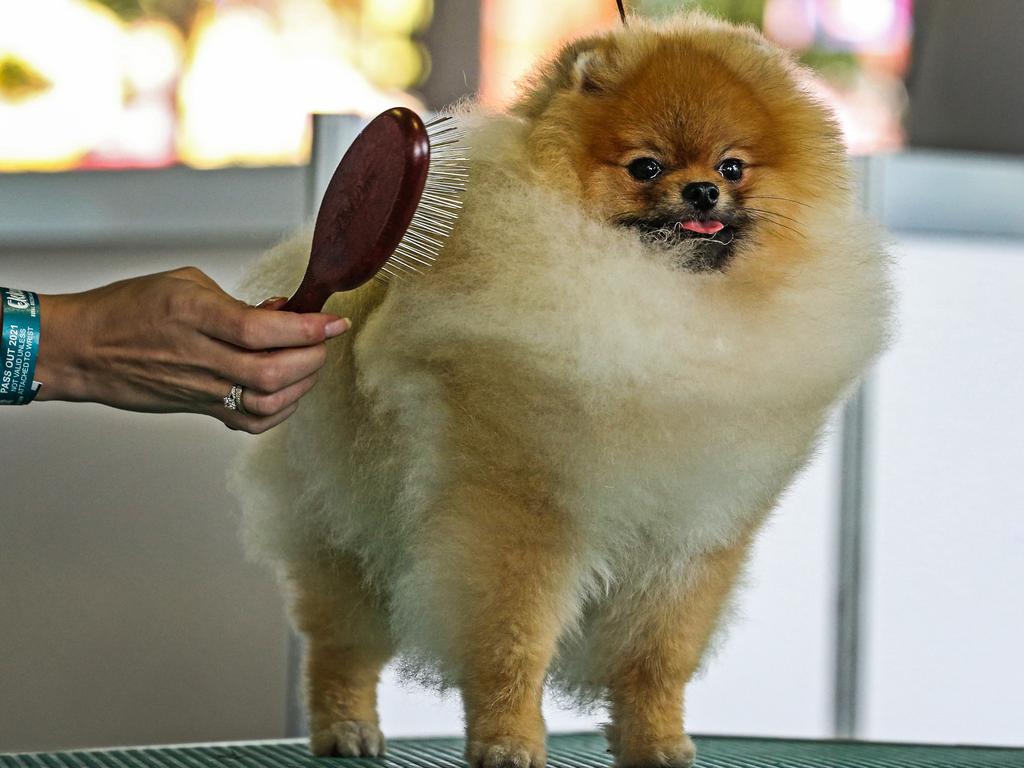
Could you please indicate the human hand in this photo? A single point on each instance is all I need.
(176, 342)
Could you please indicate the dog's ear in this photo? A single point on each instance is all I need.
(592, 69)
(585, 65)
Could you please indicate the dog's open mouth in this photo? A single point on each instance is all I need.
(712, 230)
(708, 242)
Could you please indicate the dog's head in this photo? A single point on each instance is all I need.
(697, 134)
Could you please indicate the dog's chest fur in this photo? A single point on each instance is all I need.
(650, 402)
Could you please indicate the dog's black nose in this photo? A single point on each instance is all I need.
(703, 194)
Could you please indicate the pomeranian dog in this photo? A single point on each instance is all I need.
(546, 460)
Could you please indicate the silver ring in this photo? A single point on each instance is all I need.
(233, 402)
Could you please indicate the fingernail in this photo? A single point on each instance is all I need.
(337, 327)
(271, 300)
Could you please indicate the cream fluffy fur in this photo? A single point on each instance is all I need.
(662, 411)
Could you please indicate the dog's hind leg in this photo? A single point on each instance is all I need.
(347, 645)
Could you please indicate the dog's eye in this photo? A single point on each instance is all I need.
(644, 168)
(731, 169)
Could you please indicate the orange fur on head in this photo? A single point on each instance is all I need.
(688, 94)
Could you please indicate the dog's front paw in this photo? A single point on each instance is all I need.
(506, 752)
(677, 752)
(347, 738)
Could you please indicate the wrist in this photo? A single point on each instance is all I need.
(19, 346)
(60, 366)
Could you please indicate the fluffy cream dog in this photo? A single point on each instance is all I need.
(547, 458)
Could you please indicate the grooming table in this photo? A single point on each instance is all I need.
(564, 751)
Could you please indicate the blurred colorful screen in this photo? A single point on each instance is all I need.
(128, 83)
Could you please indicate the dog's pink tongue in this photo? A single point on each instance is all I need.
(703, 227)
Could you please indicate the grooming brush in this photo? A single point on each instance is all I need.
(388, 208)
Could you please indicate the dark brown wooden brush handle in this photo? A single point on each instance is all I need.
(367, 207)
(310, 296)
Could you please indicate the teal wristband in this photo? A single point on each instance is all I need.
(19, 346)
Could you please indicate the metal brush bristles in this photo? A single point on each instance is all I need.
(440, 204)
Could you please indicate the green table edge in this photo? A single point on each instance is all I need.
(572, 750)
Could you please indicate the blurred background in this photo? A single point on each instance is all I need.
(154, 83)
(139, 135)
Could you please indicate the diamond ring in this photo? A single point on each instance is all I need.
(233, 402)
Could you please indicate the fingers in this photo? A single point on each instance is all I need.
(268, 372)
(255, 425)
(273, 382)
(274, 356)
(260, 328)
(262, 406)
(262, 412)
(221, 317)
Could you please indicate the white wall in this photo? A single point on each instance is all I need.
(945, 610)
